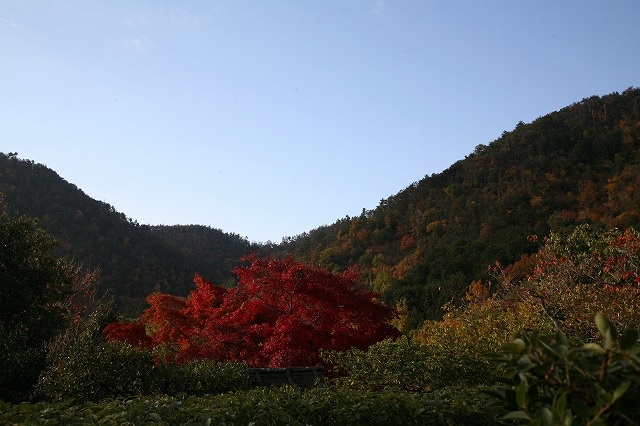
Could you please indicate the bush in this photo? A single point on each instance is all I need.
(592, 384)
(452, 352)
(585, 272)
(200, 377)
(388, 365)
(466, 405)
(111, 370)
(457, 346)
(276, 406)
(83, 366)
(20, 364)
(34, 288)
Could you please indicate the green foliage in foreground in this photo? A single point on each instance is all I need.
(114, 370)
(280, 406)
(592, 384)
(84, 367)
(35, 287)
(389, 365)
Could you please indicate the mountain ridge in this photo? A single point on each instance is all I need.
(420, 247)
(134, 260)
(425, 244)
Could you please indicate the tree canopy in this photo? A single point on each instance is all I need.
(281, 314)
(39, 293)
(420, 247)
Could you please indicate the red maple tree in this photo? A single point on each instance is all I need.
(281, 314)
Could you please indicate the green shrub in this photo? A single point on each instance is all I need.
(21, 361)
(275, 406)
(466, 405)
(398, 366)
(93, 372)
(554, 384)
(200, 377)
(83, 366)
(34, 288)
(388, 365)
(109, 370)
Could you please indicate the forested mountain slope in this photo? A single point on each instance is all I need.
(422, 246)
(426, 244)
(134, 260)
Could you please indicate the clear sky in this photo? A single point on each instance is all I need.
(271, 118)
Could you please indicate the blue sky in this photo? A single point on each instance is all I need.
(269, 119)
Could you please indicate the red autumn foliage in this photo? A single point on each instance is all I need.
(613, 261)
(129, 332)
(281, 314)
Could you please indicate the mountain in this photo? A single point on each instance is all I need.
(421, 247)
(134, 260)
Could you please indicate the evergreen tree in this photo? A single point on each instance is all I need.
(35, 291)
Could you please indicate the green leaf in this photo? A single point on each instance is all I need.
(562, 351)
(560, 404)
(601, 396)
(607, 329)
(515, 346)
(524, 363)
(516, 415)
(593, 347)
(634, 360)
(546, 416)
(521, 394)
(620, 390)
(603, 323)
(510, 372)
(495, 393)
(562, 339)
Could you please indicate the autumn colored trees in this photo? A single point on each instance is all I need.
(585, 272)
(282, 313)
(425, 244)
(562, 287)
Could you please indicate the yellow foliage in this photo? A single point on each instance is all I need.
(458, 343)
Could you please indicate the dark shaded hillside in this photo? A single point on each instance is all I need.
(134, 259)
(423, 246)
(215, 252)
(427, 243)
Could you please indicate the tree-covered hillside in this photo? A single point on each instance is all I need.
(134, 260)
(421, 247)
(425, 244)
